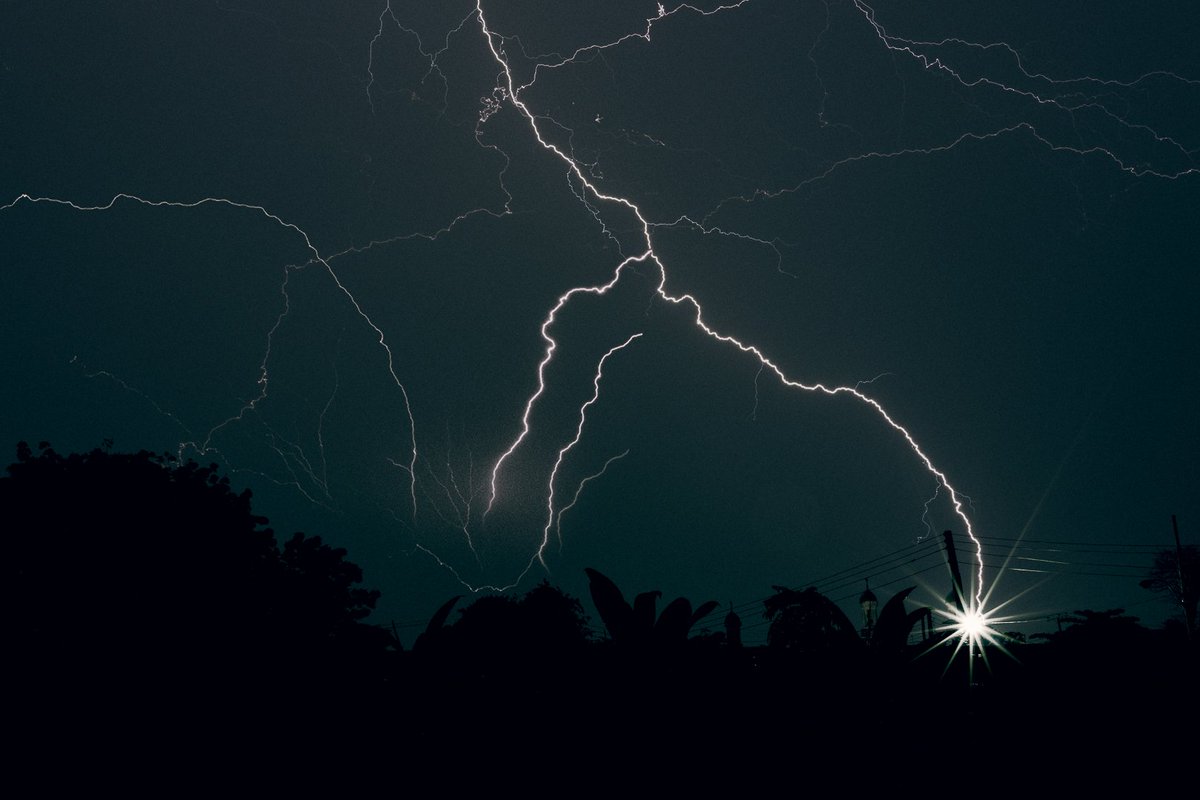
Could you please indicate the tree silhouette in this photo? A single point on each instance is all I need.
(500, 655)
(807, 621)
(1177, 575)
(558, 616)
(134, 573)
(1110, 634)
(546, 621)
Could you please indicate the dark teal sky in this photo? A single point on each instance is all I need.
(989, 210)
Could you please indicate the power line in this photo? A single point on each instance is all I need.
(897, 580)
(1050, 562)
(1075, 544)
(870, 568)
(843, 584)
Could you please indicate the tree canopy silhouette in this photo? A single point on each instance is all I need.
(1177, 576)
(501, 634)
(136, 570)
(807, 621)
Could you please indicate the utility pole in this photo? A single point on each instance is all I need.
(955, 575)
(1183, 589)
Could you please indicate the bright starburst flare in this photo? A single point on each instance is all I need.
(971, 628)
(972, 621)
(973, 624)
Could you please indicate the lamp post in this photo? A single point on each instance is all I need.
(869, 604)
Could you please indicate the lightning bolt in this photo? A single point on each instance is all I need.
(512, 92)
(513, 95)
(949, 59)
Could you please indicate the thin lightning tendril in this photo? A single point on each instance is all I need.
(263, 379)
(579, 491)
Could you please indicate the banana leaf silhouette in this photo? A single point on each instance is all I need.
(637, 625)
(895, 622)
(436, 625)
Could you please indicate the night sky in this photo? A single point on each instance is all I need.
(300, 239)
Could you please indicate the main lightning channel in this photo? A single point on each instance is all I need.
(513, 96)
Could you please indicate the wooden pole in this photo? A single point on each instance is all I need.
(1188, 622)
(955, 575)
